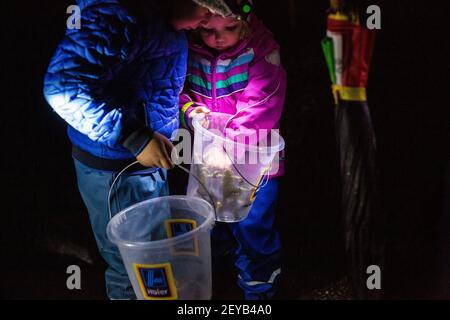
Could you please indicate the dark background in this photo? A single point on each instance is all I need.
(44, 225)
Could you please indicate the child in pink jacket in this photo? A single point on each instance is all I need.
(234, 68)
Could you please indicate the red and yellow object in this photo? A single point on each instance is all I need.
(348, 49)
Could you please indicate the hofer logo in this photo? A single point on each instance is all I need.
(156, 281)
(178, 227)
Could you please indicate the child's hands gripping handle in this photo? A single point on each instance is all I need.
(157, 153)
(198, 111)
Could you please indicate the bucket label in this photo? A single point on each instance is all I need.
(255, 190)
(156, 281)
(177, 227)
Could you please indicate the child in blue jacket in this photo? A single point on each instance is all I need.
(116, 82)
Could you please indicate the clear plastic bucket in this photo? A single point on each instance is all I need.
(231, 171)
(165, 246)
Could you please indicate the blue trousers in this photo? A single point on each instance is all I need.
(257, 245)
(130, 189)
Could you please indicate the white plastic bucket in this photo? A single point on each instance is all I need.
(230, 171)
(165, 246)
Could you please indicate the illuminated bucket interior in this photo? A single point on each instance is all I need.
(230, 171)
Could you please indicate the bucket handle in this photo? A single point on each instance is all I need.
(114, 183)
(178, 165)
(265, 178)
(266, 175)
(258, 186)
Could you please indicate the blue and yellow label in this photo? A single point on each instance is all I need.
(156, 281)
(255, 190)
(177, 227)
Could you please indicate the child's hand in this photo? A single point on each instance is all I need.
(197, 111)
(157, 153)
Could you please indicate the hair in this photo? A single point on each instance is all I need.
(246, 32)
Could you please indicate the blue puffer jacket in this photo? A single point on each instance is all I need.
(116, 80)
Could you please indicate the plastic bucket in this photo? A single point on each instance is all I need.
(165, 246)
(230, 171)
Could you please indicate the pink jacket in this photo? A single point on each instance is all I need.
(246, 81)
